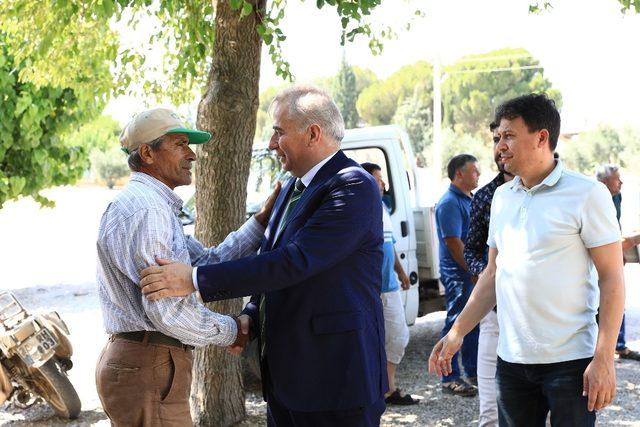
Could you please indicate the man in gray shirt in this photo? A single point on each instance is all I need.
(144, 373)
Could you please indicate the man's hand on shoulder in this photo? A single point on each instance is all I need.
(263, 216)
(599, 383)
(167, 279)
(244, 336)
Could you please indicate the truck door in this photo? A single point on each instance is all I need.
(385, 153)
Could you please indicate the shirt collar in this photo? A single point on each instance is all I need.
(159, 188)
(308, 177)
(551, 179)
(458, 191)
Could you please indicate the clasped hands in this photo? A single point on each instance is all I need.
(244, 334)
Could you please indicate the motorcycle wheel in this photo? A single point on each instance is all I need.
(53, 386)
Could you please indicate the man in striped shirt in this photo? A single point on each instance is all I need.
(144, 373)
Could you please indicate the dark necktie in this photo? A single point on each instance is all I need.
(296, 194)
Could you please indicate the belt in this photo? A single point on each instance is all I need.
(152, 337)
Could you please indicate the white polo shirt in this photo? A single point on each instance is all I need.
(546, 284)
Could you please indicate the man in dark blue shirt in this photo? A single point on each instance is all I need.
(452, 221)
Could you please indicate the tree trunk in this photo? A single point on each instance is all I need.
(228, 110)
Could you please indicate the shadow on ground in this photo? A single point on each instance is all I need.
(41, 415)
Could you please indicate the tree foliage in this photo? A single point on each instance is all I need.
(100, 138)
(415, 115)
(605, 144)
(345, 94)
(377, 104)
(184, 31)
(33, 121)
(109, 165)
(101, 133)
(454, 143)
(476, 84)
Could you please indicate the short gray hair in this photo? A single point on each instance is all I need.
(605, 171)
(309, 105)
(135, 160)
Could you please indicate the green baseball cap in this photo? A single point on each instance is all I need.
(152, 124)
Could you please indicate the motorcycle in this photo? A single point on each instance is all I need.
(35, 355)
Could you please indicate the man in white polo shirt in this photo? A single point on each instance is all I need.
(554, 249)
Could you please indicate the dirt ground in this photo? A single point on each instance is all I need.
(49, 263)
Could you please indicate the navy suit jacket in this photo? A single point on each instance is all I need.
(321, 280)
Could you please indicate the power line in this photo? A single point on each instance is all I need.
(493, 58)
(492, 70)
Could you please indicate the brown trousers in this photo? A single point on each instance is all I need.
(142, 384)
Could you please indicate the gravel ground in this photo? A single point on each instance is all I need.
(63, 240)
(78, 305)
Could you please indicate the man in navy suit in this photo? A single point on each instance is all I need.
(316, 308)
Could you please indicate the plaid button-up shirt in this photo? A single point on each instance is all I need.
(141, 223)
(475, 246)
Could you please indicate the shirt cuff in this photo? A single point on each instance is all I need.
(230, 332)
(194, 279)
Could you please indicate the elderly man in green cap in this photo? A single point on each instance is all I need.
(143, 375)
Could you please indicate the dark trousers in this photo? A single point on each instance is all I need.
(458, 288)
(279, 416)
(527, 393)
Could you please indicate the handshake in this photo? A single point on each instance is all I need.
(244, 334)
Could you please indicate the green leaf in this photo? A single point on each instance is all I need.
(16, 184)
(236, 4)
(107, 8)
(23, 103)
(247, 8)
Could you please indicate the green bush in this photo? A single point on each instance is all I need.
(109, 165)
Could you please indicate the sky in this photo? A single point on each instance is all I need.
(589, 49)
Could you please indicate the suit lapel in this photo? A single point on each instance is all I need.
(278, 210)
(327, 171)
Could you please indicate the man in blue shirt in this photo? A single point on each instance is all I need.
(452, 221)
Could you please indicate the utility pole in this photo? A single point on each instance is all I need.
(437, 123)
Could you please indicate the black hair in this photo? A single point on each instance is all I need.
(135, 159)
(538, 112)
(457, 162)
(370, 167)
(493, 126)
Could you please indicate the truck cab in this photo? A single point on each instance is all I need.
(413, 225)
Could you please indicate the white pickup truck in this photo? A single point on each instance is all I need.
(414, 226)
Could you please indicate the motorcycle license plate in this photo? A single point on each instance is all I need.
(39, 347)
